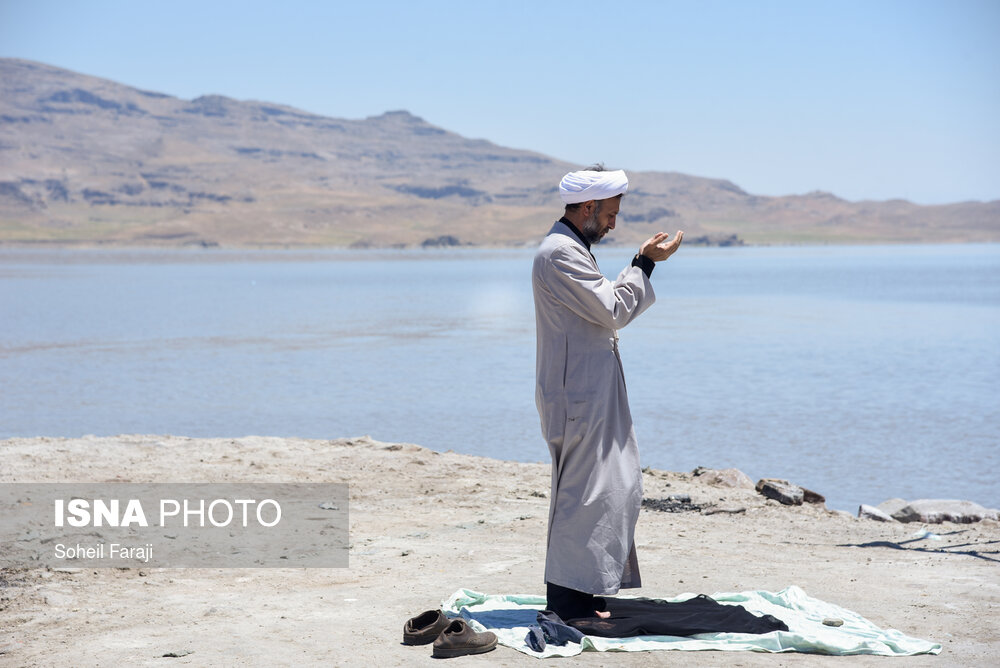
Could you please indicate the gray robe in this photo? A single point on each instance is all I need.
(581, 399)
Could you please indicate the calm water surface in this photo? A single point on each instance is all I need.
(861, 372)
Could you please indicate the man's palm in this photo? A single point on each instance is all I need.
(657, 248)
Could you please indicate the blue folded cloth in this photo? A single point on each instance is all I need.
(535, 639)
(550, 629)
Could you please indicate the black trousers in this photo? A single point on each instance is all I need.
(570, 603)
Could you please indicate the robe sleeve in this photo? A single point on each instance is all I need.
(577, 283)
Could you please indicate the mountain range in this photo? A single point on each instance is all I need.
(84, 160)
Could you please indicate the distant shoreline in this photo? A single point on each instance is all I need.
(111, 246)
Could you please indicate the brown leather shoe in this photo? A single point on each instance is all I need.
(459, 639)
(424, 628)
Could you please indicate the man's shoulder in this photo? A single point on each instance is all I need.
(560, 241)
(561, 254)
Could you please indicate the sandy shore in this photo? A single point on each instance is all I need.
(424, 524)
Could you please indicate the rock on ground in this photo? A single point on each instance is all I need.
(724, 477)
(782, 491)
(935, 511)
(867, 512)
(891, 506)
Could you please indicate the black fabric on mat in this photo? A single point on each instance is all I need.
(649, 617)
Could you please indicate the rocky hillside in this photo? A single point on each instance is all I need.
(86, 160)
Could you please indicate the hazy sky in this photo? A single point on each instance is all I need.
(868, 100)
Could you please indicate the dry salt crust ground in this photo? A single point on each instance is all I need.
(424, 524)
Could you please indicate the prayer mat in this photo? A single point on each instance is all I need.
(510, 617)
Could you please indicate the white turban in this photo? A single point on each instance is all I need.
(586, 185)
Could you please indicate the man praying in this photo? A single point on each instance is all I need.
(581, 398)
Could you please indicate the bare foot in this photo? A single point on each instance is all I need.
(602, 614)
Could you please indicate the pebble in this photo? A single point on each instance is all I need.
(833, 621)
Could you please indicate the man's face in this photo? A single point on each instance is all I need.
(602, 220)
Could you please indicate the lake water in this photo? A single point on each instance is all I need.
(863, 373)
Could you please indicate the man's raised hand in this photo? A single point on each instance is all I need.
(657, 248)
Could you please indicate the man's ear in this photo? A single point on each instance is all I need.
(587, 208)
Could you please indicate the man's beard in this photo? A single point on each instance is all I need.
(592, 228)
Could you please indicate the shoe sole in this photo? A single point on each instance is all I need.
(451, 652)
